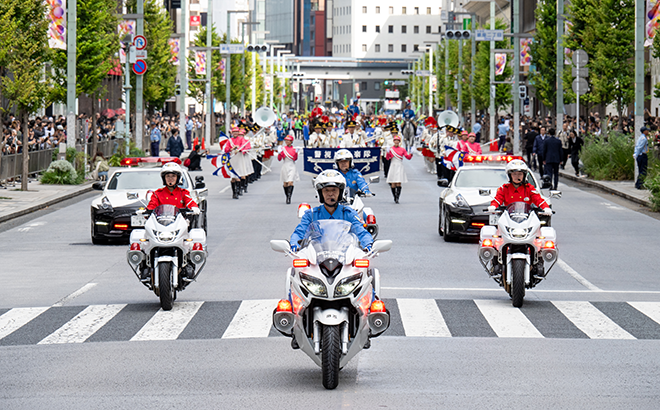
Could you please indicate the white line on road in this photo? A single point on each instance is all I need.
(422, 318)
(75, 294)
(253, 318)
(496, 289)
(17, 318)
(505, 320)
(650, 309)
(168, 325)
(84, 325)
(223, 190)
(577, 276)
(591, 321)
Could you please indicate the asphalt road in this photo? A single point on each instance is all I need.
(78, 331)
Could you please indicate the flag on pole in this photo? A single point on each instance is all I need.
(225, 166)
(222, 140)
(453, 158)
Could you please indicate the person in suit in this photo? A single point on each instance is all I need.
(552, 156)
(530, 137)
(538, 150)
(174, 144)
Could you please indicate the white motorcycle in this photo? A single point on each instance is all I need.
(331, 311)
(166, 256)
(516, 250)
(367, 216)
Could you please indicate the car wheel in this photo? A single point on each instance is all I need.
(448, 236)
(98, 241)
(440, 232)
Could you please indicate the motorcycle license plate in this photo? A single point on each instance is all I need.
(492, 219)
(138, 220)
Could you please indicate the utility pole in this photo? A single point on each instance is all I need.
(560, 63)
(515, 29)
(459, 79)
(430, 80)
(639, 70)
(183, 73)
(71, 56)
(209, 69)
(473, 109)
(491, 108)
(139, 84)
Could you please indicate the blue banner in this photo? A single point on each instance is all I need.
(317, 160)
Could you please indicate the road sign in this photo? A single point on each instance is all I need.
(489, 35)
(423, 73)
(140, 67)
(141, 55)
(140, 42)
(582, 83)
(232, 48)
(443, 16)
(580, 58)
(392, 94)
(580, 72)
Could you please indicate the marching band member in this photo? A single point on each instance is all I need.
(331, 137)
(257, 142)
(270, 140)
(289, 173)
(317, 138)
(352, 139)
(428, 135)
(397, 174)
(238, 147)
(387, 142)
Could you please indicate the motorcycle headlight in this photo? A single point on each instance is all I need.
(315, 286)
(347, 285)
(105, 204)
(460, 202)
(166, 236)
(519, 233)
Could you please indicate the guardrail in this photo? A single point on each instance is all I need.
(11, 166)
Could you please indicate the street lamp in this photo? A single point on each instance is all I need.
(431, 44)
(243, 24)
(282, 64)
(273, 48)
(228, 71)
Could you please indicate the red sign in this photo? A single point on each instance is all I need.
(195, 21)
(140, 67)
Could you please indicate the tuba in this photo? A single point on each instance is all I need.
(265, 117)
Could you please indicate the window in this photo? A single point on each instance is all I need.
(377, 48)
(416, 47)
(428, 29)
(390, 29)
(391, 10)
(364, 9)
(377, 87)
(403, 48)
(364, 29)
(416, 29)
(416, 10)
(363, 86)
(428, 10)
(404, 29)
(390, 48)
(311, 35)
(439, 29)
(403, 10)
(364, 48)
(377, 29)
(377, 9)
(312, 52)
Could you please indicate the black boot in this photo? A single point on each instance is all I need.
(398, 194)
(239, 187)
(289, 193)
(394, 193)
(286, 194)
(234, 190)
(245, 185)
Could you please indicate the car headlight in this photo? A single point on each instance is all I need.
(105, 204)
(315, 286)
(166, 236)
(460, 202)
(347, 285)
(518, 233)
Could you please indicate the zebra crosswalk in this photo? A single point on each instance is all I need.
(427, 318)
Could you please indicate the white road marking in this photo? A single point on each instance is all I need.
(422, 318)
(591, 321)
(168, 325)
(577, 276)
(612, 206)
(253, 318)
(84, 325)
(497, 289)
(506, 320)
(650, 309)
(30, 226)
(223, 190)
(75, 294)
(17, 318)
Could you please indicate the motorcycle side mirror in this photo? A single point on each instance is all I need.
(98, 185)
(199, 185)
(381, 245)
(374, 180)
(444, 183)
(280, 245)
(555, 194)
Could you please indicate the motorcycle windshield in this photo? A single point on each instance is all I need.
(330, 238)
(519, 211)
(166, 214)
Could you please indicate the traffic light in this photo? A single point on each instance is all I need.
(296, 74)
(407, 72)
(522, 91)
(177, 89)
(458, 34)
(257, 48)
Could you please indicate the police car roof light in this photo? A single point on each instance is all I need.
(148, 161)
(490, 158)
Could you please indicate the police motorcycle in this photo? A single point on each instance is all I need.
(516, 250)
(166, 255)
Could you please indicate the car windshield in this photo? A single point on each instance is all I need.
(518, 211)
(484, 178)
(139, 180)
(166, 214)
(330, 238)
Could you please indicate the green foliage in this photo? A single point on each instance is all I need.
(503, 96)
(133, 151)
(652, 182)
(608, 157)
(61, 173)
(97, 42)
(544, 53)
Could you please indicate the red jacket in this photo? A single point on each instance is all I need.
(507, 194)
(288, 152)
(179, 197)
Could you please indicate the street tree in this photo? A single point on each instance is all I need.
(25, 54)
(503, 97)
(97, 42)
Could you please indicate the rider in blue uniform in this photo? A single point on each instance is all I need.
(330, 186)
(408, 114)
(354, 179)
(353, 109)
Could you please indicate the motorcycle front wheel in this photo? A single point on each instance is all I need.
(166, 291)
(518, 282)
(331, 355)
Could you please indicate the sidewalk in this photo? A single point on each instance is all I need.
(624, 189)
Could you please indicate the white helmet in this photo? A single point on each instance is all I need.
(343, 154)
(171, 168)
(517, 165)
(330, 178)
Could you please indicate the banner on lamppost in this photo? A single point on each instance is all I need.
(500, 63)
(175, 47)
(126, 27)
(653, 20)
(434, 83)
(526, 51)
(57, 26)
(200, 62)
(268, 83)
(221, 67)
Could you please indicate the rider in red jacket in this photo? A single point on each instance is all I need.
(518, 189)
(171, 193)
